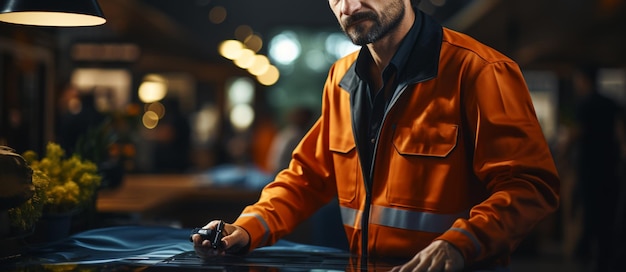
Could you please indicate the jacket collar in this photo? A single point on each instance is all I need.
(423, 60)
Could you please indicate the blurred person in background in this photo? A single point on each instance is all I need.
(428, 139)
(77, 115)
(598, 136)
(299, 120)
(172, 138)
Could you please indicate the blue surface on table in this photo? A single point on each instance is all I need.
(136, 244)
(169, 249)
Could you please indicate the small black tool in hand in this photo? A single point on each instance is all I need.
(213, 235)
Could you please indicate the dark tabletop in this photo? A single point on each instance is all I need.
(153, 248)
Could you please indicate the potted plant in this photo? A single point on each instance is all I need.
(72, 183)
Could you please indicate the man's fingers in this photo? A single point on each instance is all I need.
(424, 266)
(438, 256)
(235, 239)
(212, 224)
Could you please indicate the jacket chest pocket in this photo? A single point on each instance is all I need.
(423, 167)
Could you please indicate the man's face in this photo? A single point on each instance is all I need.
(369, 20)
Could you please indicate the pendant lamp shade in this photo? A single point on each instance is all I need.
(52, 12)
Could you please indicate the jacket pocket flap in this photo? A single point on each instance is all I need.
(431, 141)
(343, 144)
(342, 149)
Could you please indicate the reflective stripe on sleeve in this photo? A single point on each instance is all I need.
(472, 237)
(266, 233)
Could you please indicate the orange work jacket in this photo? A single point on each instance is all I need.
(460, 157)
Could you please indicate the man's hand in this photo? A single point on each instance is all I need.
(438, 256)
(235, 238)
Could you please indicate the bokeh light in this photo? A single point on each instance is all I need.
(241, 116)
(217, 15)
(245, 59)
(150, 119)
(254, 42)
(270, 77)
(152, 89)
(242, 32)
(285, 48)
(156, 107)
(230, 49)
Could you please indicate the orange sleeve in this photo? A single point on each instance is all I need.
(511, 157)
(297, 192)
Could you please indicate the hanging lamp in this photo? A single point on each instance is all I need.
(52, 12)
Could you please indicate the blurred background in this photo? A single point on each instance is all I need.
(187, 105)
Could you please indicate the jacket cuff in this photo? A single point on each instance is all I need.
(256, 227)
(465, 242)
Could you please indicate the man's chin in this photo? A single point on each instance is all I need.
(357, 33)
(359, 40)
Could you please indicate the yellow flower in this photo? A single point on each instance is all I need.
(61, 185)
(73, 181)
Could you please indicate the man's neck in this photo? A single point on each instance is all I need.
(383, 50)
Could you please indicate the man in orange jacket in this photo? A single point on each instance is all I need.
(428, 139)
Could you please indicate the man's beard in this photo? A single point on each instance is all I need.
(361, 35)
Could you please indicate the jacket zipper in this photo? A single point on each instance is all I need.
(369, 178)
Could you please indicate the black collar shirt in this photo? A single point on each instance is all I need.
(376, 102)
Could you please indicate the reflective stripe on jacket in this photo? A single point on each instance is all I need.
(460, 157)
